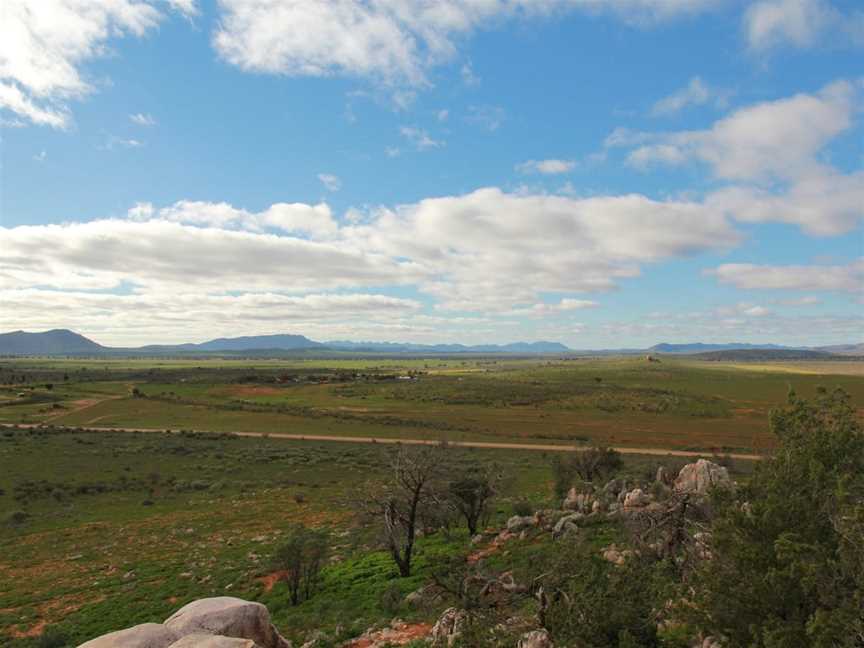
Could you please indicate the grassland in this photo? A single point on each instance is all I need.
(103, 529)
(675, 404)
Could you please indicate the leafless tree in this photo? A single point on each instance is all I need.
(400, 503)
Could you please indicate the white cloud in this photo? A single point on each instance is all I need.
(142, 119)
(315, 221)
(419, 138)
(800, 23)
(696, 93)
(773, 153)
(330, 181)
(774, 139)
(394, 41)
(834, 278)
(548, 167)
(40, 156)
(493, 251)
(43, 45)
(826, 203)
(442, 115)
(486, 251)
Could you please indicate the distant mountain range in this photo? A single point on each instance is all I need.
(65, 342)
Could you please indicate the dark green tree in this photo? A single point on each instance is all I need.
(471, 495)
(788, 548)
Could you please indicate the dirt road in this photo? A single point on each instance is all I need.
(537, 447)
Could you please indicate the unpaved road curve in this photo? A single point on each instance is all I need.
(659, 452)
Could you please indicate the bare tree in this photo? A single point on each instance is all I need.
(407, 497)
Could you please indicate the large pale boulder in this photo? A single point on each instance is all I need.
(228, 616)
(212, 641)
(146, 635)
(535, 639)
(700, 477)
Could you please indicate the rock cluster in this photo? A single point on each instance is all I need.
(220, 622)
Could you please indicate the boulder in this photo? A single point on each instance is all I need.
(535, 639)
(636, 499)
(212, 641)
(567, 525)
(228, 616)
(576, 501)
(700, 477)
(146, 635)
(518, 523)
(448, 627)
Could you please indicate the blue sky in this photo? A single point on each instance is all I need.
(604, 174)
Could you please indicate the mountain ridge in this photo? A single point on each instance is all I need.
(67, 342)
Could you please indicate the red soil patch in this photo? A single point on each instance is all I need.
(35, 631)
(269, 581)
(398, 635)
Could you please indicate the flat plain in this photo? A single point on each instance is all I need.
(100, 529)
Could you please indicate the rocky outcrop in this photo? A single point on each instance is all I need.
(700, 477)
(535, 639)
(519, 523)
(448, 627)
(567, 525)
(220, 622)
(636, 498)
(146, 635)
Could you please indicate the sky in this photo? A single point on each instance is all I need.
(602, 173)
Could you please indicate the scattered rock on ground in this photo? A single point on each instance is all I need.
(535, 639)
(448, 627)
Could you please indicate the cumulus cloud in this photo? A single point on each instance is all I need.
(546, 167)
(825, 203)
(395, 41)
(773, 139)
(492, 251)
(800, 23)
(772, 154)
(486, 251)
(836, 278)
(44, 44)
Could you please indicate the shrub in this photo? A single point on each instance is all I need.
(523, 508)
